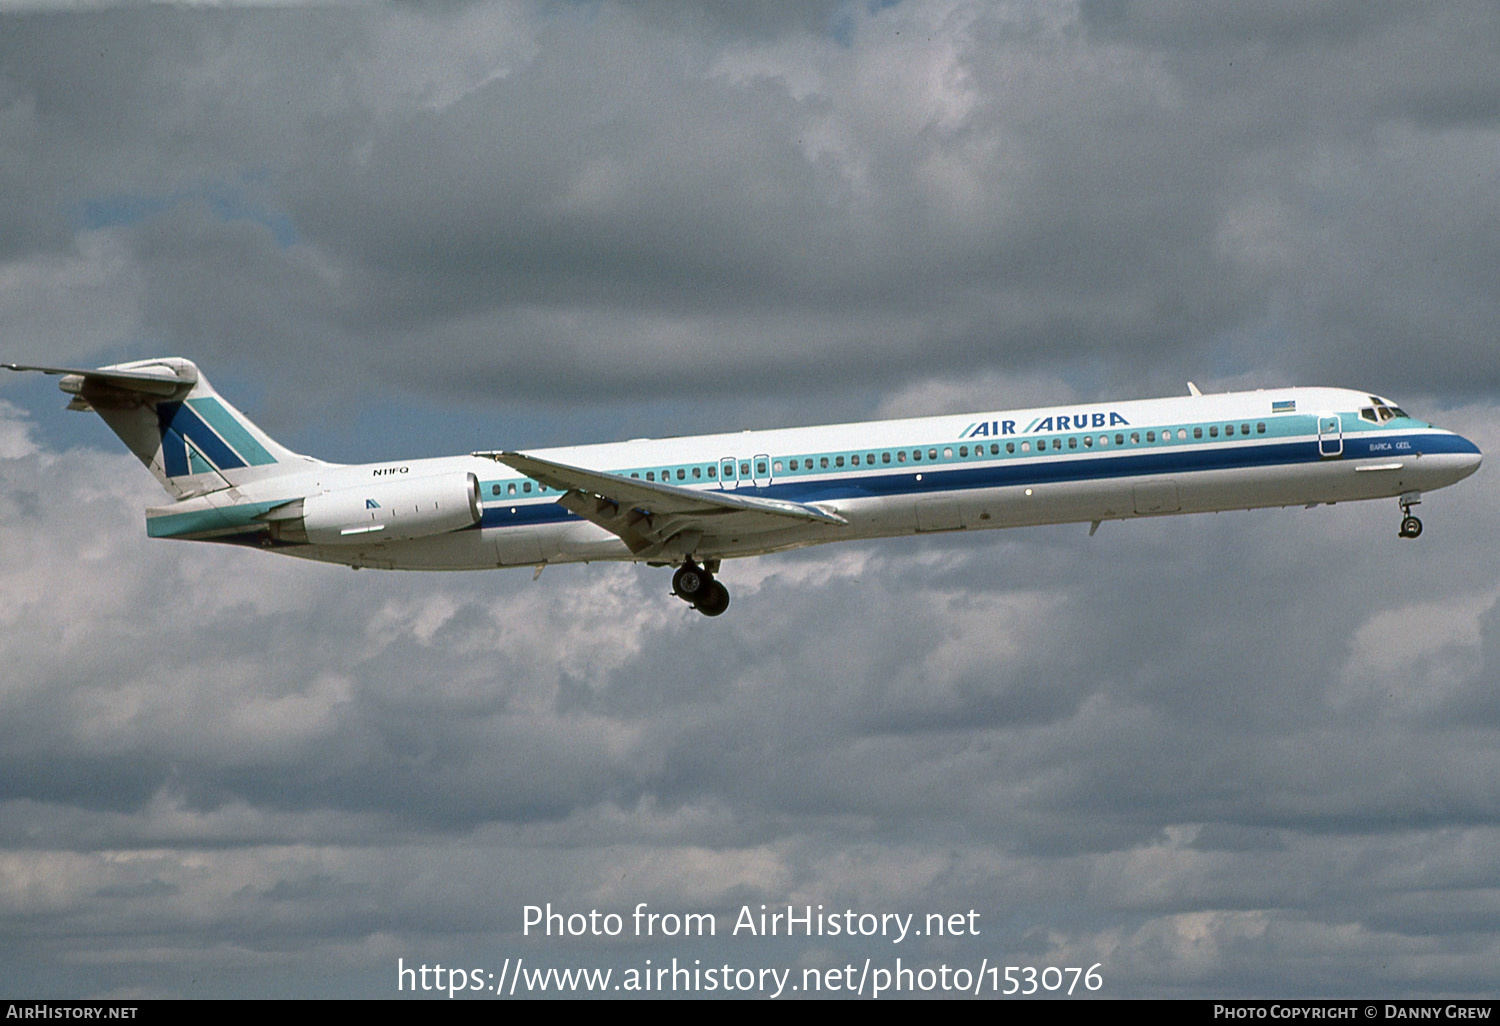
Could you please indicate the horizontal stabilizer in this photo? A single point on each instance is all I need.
(160, 380)
(167, 413)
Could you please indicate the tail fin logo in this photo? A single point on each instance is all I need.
(200, 436)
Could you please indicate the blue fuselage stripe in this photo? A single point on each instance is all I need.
(1042, 469)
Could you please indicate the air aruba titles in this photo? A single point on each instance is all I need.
(1053, 422)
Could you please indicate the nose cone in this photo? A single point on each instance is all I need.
(1467, 456)
(1452, 458)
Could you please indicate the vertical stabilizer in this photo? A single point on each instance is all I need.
(168, 414)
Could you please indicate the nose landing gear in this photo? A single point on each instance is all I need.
(1411, 527)
(697, 587)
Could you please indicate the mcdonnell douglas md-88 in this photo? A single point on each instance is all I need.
(692, 502)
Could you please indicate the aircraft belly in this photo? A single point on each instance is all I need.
(586, 542)
(1331, 481)
(1122, 498)
(943, 513)
(793, 537)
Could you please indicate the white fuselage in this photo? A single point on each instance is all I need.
(1078, 463)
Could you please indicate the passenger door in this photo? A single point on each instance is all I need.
(1330, 435)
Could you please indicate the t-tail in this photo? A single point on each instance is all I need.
(168, 414)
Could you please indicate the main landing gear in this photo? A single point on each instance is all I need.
(696, 586)
(1411, 527)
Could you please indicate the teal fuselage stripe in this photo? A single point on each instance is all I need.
(204, 521)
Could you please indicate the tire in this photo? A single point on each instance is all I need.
(690, 582)
(715, 601)
(1411, 527)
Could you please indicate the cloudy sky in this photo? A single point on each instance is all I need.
(1234, 755)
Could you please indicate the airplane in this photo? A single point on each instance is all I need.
(692, 502)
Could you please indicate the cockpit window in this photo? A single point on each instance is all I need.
(1368, 413)
(1385, 409)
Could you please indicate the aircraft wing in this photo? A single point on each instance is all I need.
(648, 515)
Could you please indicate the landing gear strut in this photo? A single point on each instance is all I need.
(696, 586)
(1411, 527)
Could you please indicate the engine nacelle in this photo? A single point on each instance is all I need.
(387, 511)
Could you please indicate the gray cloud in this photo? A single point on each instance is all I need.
(1242, 754)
